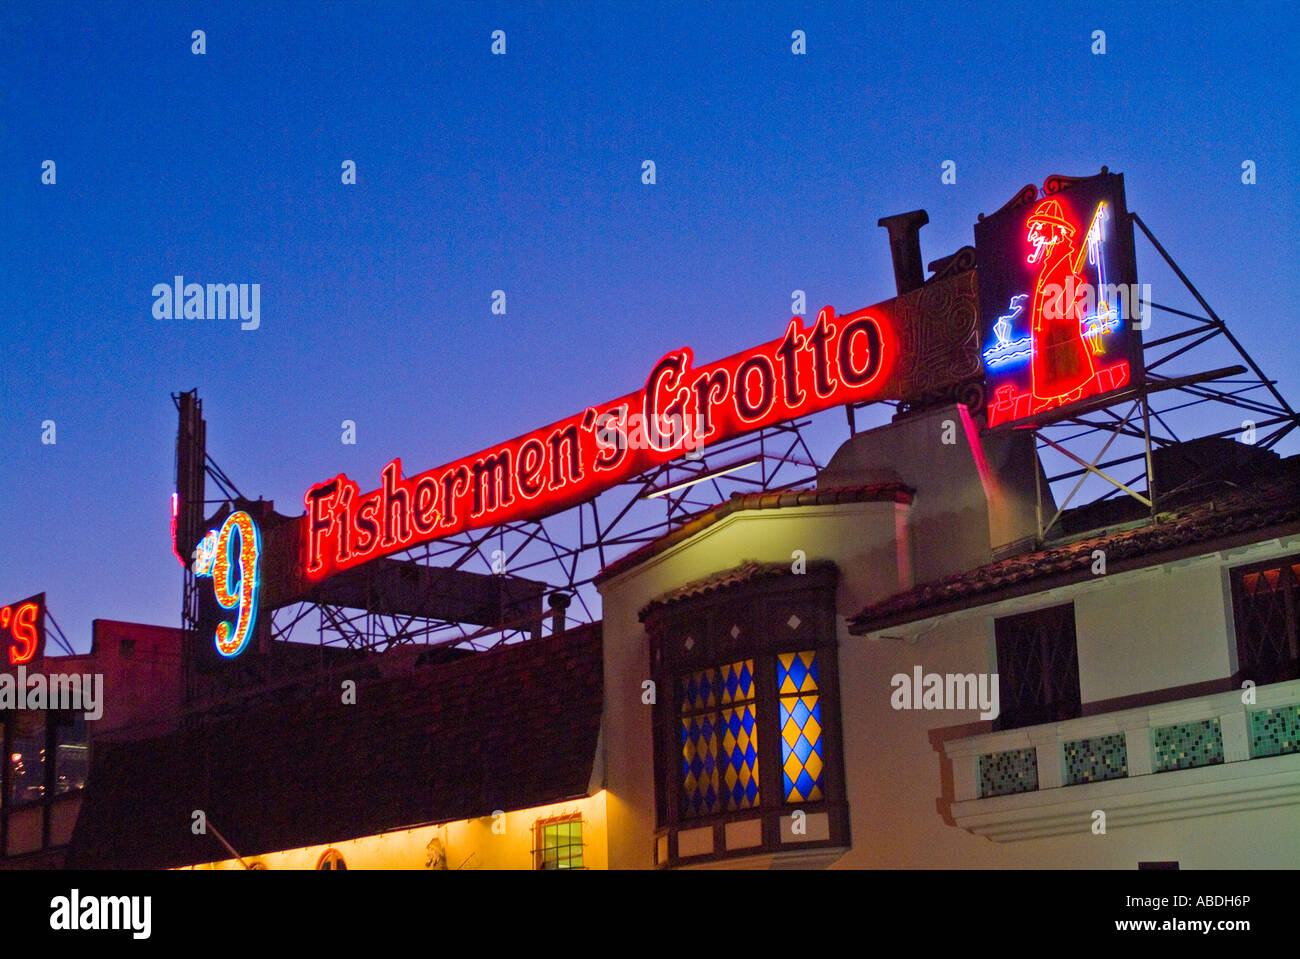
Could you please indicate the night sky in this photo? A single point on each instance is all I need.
(522, 173)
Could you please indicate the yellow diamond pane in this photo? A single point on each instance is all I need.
(801, 748)
(796, 672)
(736, 682)
(700, 691)
(700, 793)
(739, 758)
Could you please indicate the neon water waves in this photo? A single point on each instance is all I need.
(1055, 322)
(682, 407)
(231, 556)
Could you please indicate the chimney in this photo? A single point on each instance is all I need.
(905, 247)
(558, 602)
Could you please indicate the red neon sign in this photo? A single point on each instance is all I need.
(1059, 302)
(839, 360)
(22, 626)
(1062, 363)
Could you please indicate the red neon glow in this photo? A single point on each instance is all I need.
(1063, 369)
(839, 360)
(20, 621)
(176, 500)
(1061, 366)
(1009, 404)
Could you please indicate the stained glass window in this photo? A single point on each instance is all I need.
(719, 740)
(801, 726)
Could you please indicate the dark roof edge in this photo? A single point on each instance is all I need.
(731, 579)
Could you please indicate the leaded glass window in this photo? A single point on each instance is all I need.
(746, 720)
(801, 726)
(719, 728)
(1267, 601)
(1038, 667)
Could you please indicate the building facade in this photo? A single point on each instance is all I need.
(1147, 686)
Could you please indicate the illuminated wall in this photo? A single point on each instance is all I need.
(463, 844)
(1168, 626)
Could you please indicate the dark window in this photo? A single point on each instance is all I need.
(1038, 668)
(71, 754)
(27, 757)
(1265, 598)
(44, 760)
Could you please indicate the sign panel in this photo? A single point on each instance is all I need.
(1059, 301)
(838, 360)
(22, 628)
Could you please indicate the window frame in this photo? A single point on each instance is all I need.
(748, 620)
(52, 721)
(1012, 718)
(337, 864)
(539, 842)
(1236, 579)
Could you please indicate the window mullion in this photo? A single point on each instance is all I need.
(771, 791)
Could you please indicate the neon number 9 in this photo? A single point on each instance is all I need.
(240, 595)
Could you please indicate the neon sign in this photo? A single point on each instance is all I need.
(838, 360)
(212, 558)
(22, 627)
(1053, 321)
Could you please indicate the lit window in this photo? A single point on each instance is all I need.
(801, 725)
(331, 859)
(719, 739)
(558, 843)
(747, 733)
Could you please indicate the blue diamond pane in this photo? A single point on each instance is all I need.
(800, 713)
(802, 748)
(804, 783)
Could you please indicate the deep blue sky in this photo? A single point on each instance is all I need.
(522, 173)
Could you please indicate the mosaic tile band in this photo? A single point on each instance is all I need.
(1014, 771)
(1187, 745)
(1094, 760)
(1275, 731)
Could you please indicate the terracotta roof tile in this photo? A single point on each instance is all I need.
(776, 499)
(1235, 512)
(747, 572)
